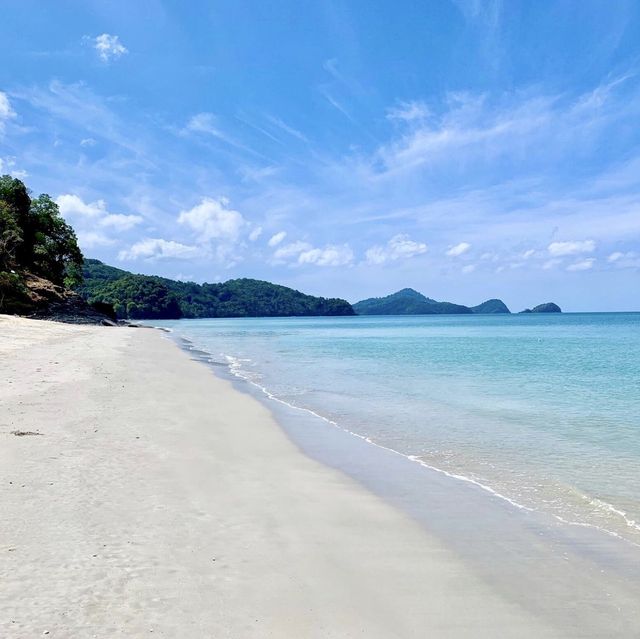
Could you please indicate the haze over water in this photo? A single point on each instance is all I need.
(543, 409)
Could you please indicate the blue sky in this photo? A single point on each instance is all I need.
(467, 149)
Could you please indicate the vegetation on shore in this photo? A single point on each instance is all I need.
(39, 254)
(151, 297)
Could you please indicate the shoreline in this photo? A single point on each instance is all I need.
(231, 370)
(589, 550)
(160, 498)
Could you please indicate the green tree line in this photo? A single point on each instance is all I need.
(34, 239)
(150, 297)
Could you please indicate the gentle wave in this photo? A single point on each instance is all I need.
(237, 371)
(235, 367)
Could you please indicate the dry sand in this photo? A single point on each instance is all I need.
(160, 501)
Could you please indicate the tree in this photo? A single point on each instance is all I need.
(15, 197)
(56, 254)
(10, 237)
(34, 237)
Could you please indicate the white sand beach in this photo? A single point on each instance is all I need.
(157, 500)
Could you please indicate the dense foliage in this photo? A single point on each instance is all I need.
(34, 240)
(150, 297)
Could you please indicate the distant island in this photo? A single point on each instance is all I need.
(548, 307)
(410, 302)
(151, 297)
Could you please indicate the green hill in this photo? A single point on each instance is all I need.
(151, 297)
(407, 302)
(491, 306)
(547, 307)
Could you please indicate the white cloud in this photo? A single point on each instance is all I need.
(400, 246)
(6, 112)
(212, 219)
(88, 217)
(630, 259)
(204, 123)
(158, 249)
(91, 239)
(529, 253)
(287, 129)
(207, 123)
(582, 265)
(87, 142)
(74, 206)
(559, 249)
(551, 264)
(277, 238)
(469, 268)
(291, 250)
(120, 222)
(305, 253)
(255, 233)
(108, 47)
(330, 255)
(408, 111)
(458, 249)
(7, 165)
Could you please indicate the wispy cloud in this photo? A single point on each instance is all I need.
(276, 239)
(336, 105)
(330, 255)
(399, 247)
(303, 253)
(558, 249)
(108, 46)
(409, 111)
(153, 249)
(582, 265)
(287, 129)
(6, 111)
(458, 249)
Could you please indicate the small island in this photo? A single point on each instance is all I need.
(547, 307)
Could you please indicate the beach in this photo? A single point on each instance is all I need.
(144, 495)
(156, 499)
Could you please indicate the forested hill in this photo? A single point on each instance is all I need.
(410, 302)
(150, 297)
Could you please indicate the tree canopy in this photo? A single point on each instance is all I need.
(150, 297)
(34, 237)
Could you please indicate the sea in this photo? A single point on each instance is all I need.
(540, 411)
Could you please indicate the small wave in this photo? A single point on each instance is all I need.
(236, 370)
(234, 366)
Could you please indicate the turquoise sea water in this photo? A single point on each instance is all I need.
(542, 409)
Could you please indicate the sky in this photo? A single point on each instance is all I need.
(468, 149)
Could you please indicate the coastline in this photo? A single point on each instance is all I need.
(158, 498)
(581, 579)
